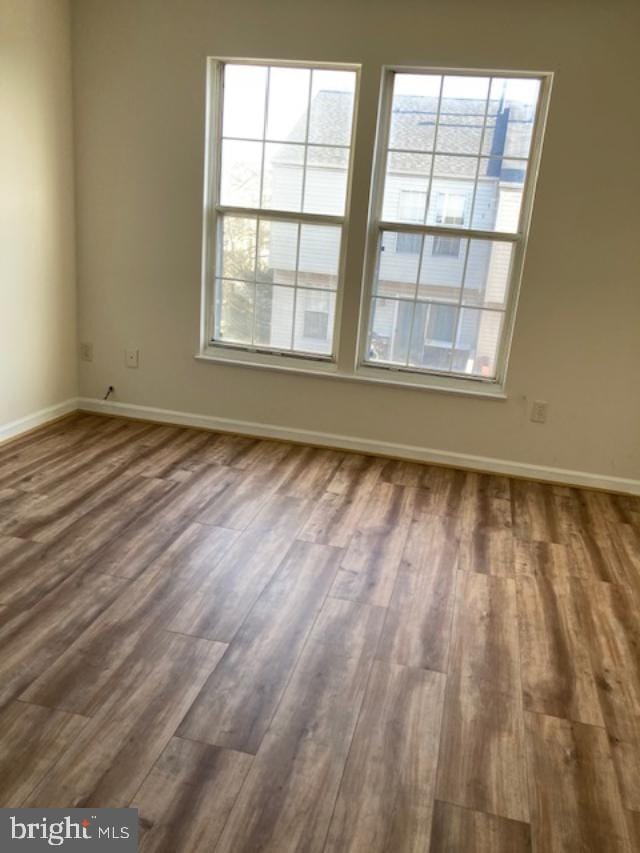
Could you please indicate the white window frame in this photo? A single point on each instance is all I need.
(377, 225)
(350, 338)
(214, 212)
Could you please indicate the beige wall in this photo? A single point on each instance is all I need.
(37, 276)
(140, 77)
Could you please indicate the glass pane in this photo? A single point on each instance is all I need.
(332, 95)
(238, 247)
(512, 112)
(486, 279)
(277, 251)
(406, 173)
(274, 316)
(433, 333)
(499, 195)
(234, 311)
(288, 103)
(390, 331)
(462, 110)
(244, 101)
(398, 264)
(315, 310)
(240, 178)
(319, 256)
(442, 268)
(283, 169)
(477, 342)
(326, 181)
(452, 191)
(413, 111)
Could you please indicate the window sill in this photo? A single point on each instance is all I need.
(371, 375)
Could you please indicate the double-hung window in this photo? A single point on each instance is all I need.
(460, 146)
(456, 156)
(280, 172)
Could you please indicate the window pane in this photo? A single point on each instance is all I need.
(282, 183)
(238, 247)
(441, 273)
(277, 251)
(234, 311)
(332, 94)
(462, 111)
(477, 344)
(414, 110)
(499, 195)
(486, 280)
(288, 104)
(244, 101)
(397, 267)
(240, 179)
(434, 328)
(274, 316)
(406, 173)
(390, 331)
(315, 310)
(326, 181)
(512, 112)
(319, 256)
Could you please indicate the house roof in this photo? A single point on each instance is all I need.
(413, 122)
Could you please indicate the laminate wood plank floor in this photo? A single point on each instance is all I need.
(267, 646)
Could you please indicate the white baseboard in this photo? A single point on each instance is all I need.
(365, 445)
(29, 422)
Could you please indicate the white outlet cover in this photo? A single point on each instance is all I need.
(539, 411)
(131, 357)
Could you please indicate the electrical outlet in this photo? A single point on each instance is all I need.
(131, 357)
(539, 411)
(86, 351)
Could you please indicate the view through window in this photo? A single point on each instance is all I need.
(456, 154)
(451, 203)
(284, 142)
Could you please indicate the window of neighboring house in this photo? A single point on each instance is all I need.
(409, 244)
(316, 325)
(410, 209)
(468, 144)
(280, 169)
(450, 208)
(446, 246)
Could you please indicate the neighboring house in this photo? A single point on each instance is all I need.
(444, 260)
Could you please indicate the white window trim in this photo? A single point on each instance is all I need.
(214, 210)
(345, 338)
(519, 239)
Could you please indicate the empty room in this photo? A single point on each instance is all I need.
(320, 426)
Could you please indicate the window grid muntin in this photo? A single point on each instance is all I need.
(300, 217)
(516, 237)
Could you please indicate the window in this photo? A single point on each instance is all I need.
(316, 325)
(411, 209)
(453, 197)
(456, 156)
(408, 244)
(280, 173)
(449, 246)
(450, 209)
